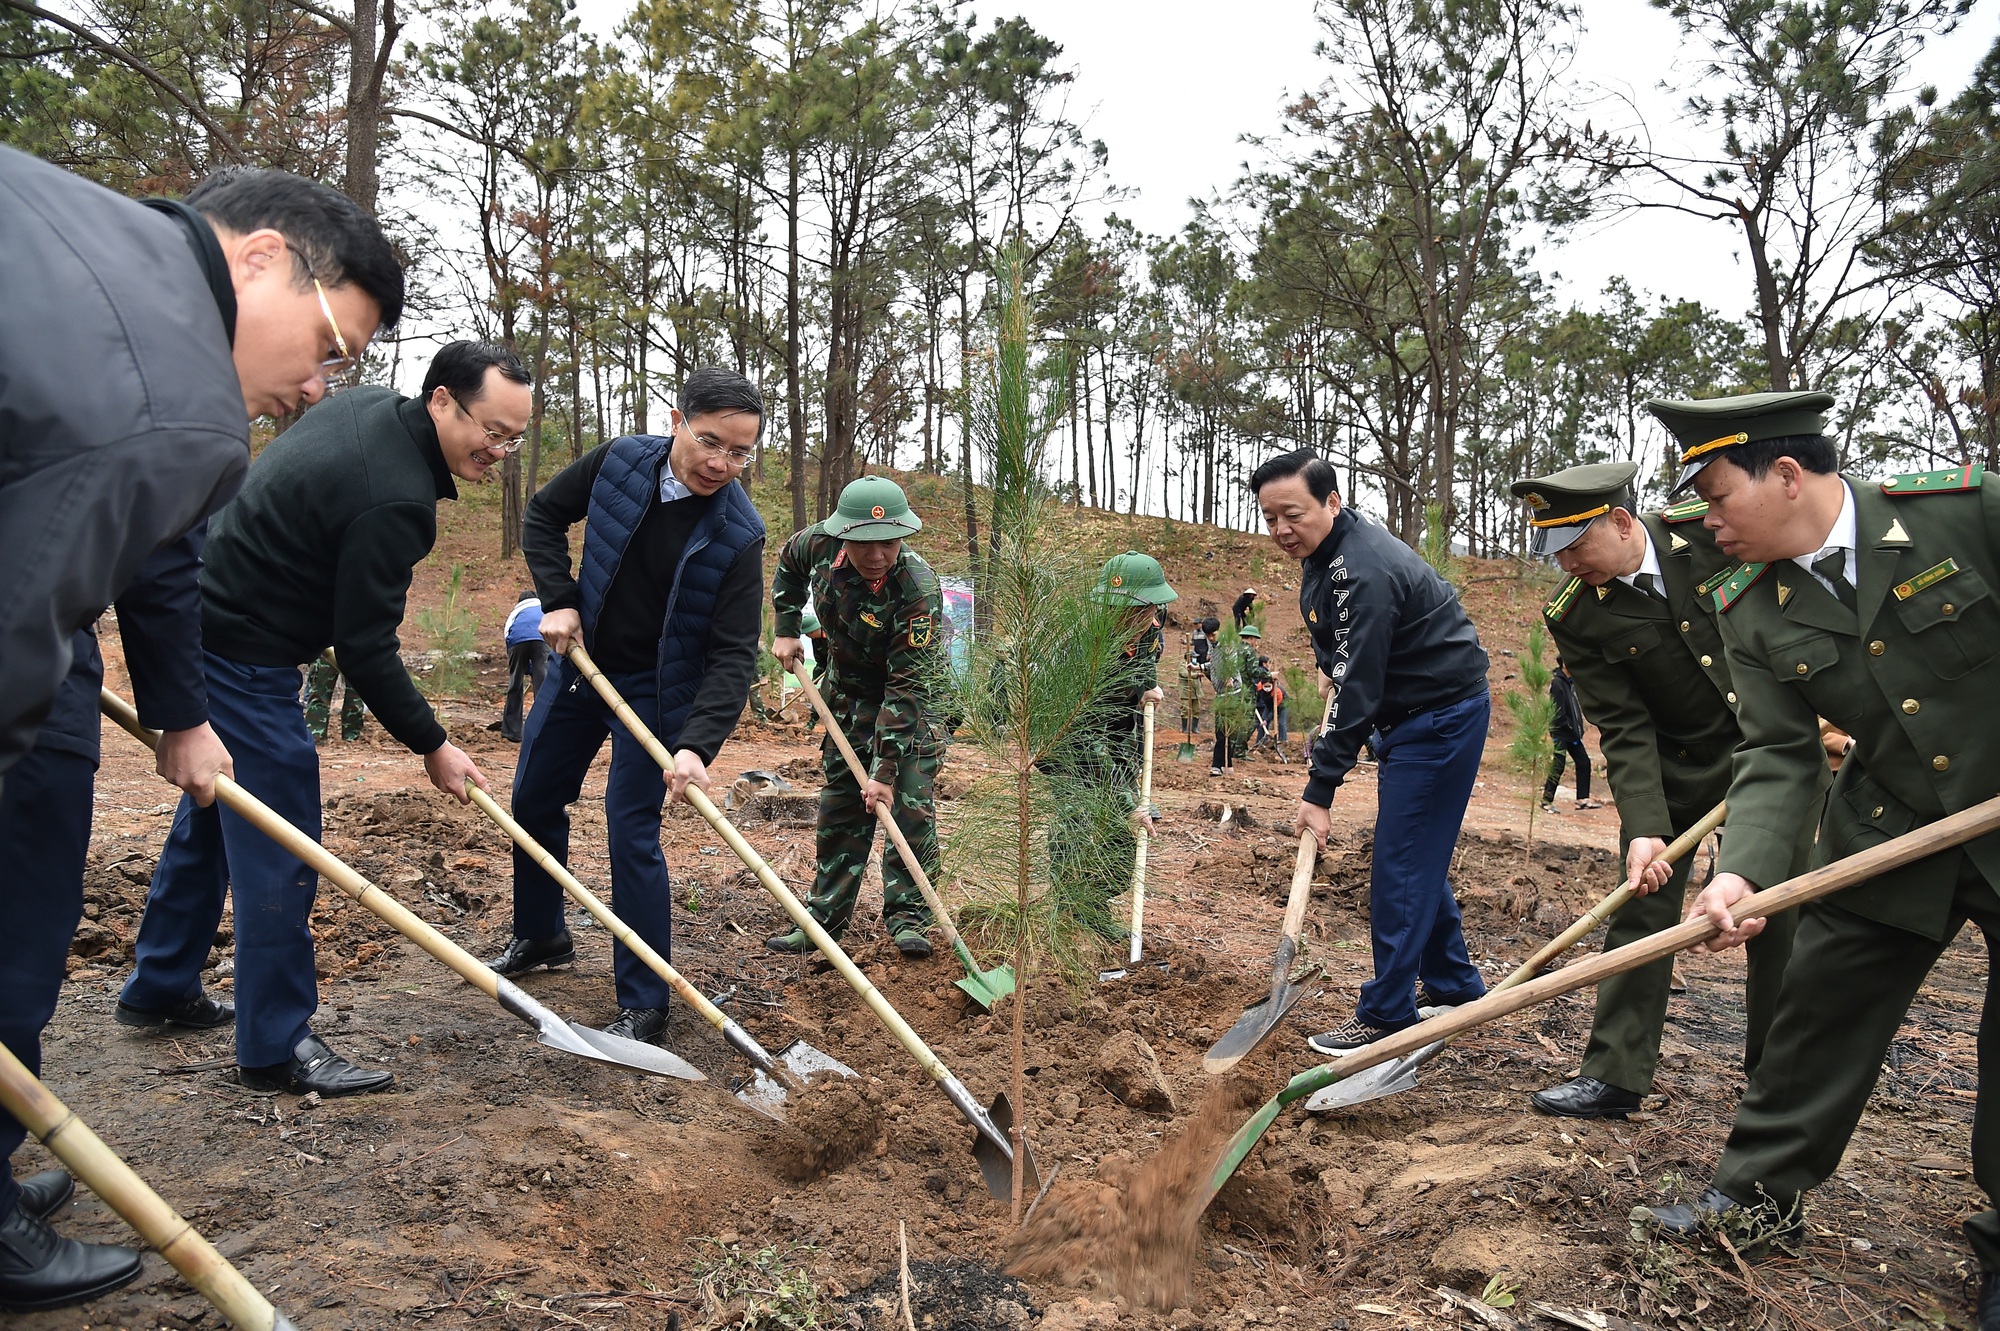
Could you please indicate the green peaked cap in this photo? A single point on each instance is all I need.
(1708, 428)
(1134, 578)
(873, 508)
(1563, 503)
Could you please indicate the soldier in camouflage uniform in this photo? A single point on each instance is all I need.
(321, 677)
(880, 606)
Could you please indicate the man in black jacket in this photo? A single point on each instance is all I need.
(1404, 663)
(1566, 734)
(667, 600)
(188, 314)
(317, 551)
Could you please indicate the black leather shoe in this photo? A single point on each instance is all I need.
(524, 954)
(201, 1012)
(1989, 1302)
(639, 1023)
(43, 1194)
(39, 1268)
(314, 1067)
(1586, 1097)
(1751, 1229)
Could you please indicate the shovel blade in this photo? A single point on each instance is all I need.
(985, 988)
(618, 1051)
(1185, 754)
(766, 1094)
(1376, 1083)
(996, 1165)
(1251, 1029)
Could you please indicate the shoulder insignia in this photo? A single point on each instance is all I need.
(1740, 580)
(1687, 512)
(1895, 535)
(1565, 598)
(1948, 481)
(868, 618)
(1930, 577)
(1784, 595)
(1676, 542)
(1603, 592)
(920, 630)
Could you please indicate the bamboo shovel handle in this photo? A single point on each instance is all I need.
(772, 884)
(1616, 901)
(71, 1141)
(324, 862)
(1954, 830)
(597, 910)
(882, 813)
(1302, 868)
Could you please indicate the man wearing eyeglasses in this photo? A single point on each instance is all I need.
(316, 551)
(667, 599)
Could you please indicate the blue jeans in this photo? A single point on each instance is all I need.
(44, 838)
(1428, 764)
(564, 733)
(212, 852)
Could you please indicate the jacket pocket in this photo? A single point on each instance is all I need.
(1630, 646)
(1955, 623)
(1798, 660)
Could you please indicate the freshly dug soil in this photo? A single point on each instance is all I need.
(838, 1122)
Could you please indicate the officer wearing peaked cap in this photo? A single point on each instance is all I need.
(881, 607)
(1647, 659)
(1871, 604)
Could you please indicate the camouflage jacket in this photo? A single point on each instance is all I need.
(883, 645)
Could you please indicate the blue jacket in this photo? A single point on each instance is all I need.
(627, 486)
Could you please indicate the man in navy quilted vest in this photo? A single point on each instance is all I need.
(666, 600)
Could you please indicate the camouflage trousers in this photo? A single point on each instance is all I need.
(320, 679)
(847, 832)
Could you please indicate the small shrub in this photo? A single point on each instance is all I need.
(452, 632)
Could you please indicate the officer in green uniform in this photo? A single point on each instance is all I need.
(1644, 651)
(1871, 604)
(880, 606)
(321, 677)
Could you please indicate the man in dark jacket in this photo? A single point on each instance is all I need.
(191, 313)
(667, 601)
(1566, 733)
(1405, 663)
(317, 551)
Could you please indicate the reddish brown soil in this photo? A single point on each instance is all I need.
(505, 1184)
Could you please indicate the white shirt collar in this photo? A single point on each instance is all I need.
(1841, 537)
(1650, 563)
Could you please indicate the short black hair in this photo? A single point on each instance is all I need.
(712, 388)
(1814, 452)
(460, 369)
(528, 595)
(1320, 477)
(332, 237)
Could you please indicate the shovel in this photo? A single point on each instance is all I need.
(1386, 1079)
(1943, 834)
(990, 1147)
(765, 1089)
(1139, 856)
(986, 988)
(553, 1030)
(86, 1156)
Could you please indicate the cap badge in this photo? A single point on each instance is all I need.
(877, 511)
(1534, 501)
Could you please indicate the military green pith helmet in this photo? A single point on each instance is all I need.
(873, 508)
(1133, 578)
(808, 624)
(1708, 428)
(1563, 504)
(1251, 631)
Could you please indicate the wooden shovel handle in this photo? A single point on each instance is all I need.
(882, 812)
(1613, 903)
(1302, 868)
(323, 862)
(71, 1141)
(1139, 851)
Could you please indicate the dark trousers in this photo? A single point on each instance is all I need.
(211, 853)
(1428, 764)
(1624, 1044)
(1582, 756)
(565, 730)
(1848, 988)
(527, 667)
(44, 836)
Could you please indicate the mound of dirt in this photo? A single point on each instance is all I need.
(838, 1121)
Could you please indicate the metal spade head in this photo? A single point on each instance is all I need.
(985, 988)
(597, 1046)
(1376, 1083)
(799, 1060)
(996, 1163)
(1252, 1028)
(1185, 754)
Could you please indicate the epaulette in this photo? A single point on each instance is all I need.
(1948, 481)
(1564, 599)
(1685, 512)
(1740, 580)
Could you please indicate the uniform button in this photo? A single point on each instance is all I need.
(1803, 667)
(1708, 660)
(1877, 813)
(1684, 753)
(1941, 762)
(1631, 651)
(1731, 697)
(1946, 608)
(1685, 626)
(1910, 705)
(1877, 647)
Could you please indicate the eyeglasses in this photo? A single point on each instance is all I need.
(737, 458)
(496, 442)
(335, 369)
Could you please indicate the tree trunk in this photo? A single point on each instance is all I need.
(795, 411)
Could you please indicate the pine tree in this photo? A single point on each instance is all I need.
(1532, 749)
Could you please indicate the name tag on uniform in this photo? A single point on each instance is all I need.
(1930, 577)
